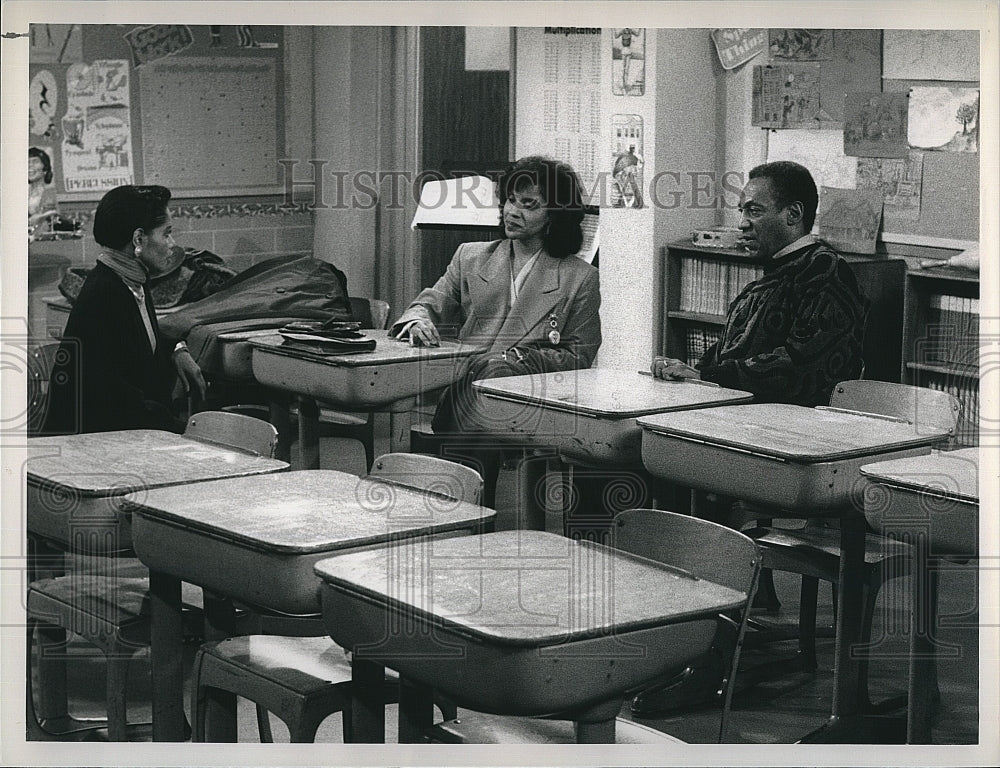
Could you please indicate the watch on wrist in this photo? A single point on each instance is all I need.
(180, 346)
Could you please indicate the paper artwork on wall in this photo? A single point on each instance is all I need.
(627, 162)
(736, 46)
(787, 96)
(944, 119)
(931, 54)
(800, 44)
(43, 101)
(897, 180)
(875, 125)
(849, 219)
(97, 127)
(628, 62)
(822, 152)
(157, 40)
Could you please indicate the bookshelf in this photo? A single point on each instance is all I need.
(941, 339)
(699, 283)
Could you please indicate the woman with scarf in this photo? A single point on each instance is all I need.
(114, 369)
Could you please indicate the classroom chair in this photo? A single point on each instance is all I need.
(304, 680)
(704, 549)
(110, 609)
(360, 426)
(813, 552)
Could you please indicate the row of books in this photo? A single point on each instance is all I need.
(952, 330)
(967, 392)
(698, 341)
(710, 285)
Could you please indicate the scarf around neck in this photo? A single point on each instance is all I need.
(125, 265)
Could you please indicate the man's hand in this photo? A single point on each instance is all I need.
(422, 333)
(669, 368)
(189, 374)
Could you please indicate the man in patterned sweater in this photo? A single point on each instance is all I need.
(789, 338)
(793, 334)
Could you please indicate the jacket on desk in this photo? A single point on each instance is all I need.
(561, 295)
(106, 377)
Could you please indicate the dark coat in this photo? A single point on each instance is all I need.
(106, 377)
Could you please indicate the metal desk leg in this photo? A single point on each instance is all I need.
(532, 496)
(278, 415)
(167, 657)
(923, 675)
(400, 422)
(309, 433)
(220, 706)
(416, 711)
(367, 702)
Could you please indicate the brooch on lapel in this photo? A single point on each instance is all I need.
(554, 336)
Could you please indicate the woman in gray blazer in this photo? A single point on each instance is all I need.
(531, 304)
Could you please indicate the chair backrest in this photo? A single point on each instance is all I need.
(40, 362)
(929, 409)
(234, 430)
(371, 313)
(704, 549)
(429, 473)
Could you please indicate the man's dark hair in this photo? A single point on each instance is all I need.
(125, 209)
(559, 187)
(791, 183)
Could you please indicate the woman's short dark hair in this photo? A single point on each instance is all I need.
(125, 209)
(42, 155)
(560, 189)
(790, 183)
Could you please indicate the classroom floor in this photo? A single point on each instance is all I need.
(776, 712)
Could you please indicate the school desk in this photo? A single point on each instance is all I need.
(255, 540)
(387, 378)
(588, 416)
(513, 623)
(75, 483)
(932, 501)
(805, 460)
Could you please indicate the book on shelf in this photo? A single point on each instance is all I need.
(966, 391)
(709, 286)
(952, 330)
(698, 342)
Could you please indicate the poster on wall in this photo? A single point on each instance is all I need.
(43, 102)
(628, 62)
(822, 152)
(96, 129)
(875, 125)
(627, 162)
(944, 119)
(787, 96)
(897, 180)
(931, 54)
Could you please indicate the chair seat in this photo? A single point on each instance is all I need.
(304, 665)
(825, 543)
(480, 728)
(105, 610)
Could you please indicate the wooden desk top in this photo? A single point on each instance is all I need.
(526, 588)
(305, 511)
(115, 463)
(387, 350)
(950, 474)
(791, 432)
(608, 393)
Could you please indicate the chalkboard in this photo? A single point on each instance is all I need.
(198, 109)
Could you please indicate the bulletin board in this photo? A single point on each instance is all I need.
(198, 109)
(949, 187)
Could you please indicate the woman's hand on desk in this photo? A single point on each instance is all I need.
(421, 333)
(670, 368)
